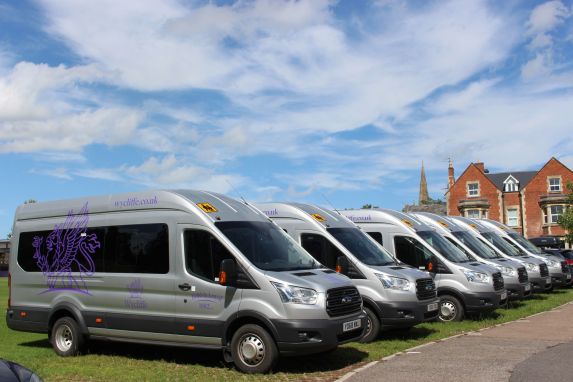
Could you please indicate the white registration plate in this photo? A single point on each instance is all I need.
(548, 281)
(351, 325)
(503, 296)
(528, 287)
(432, 306)
(568, 276)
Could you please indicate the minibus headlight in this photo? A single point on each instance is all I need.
(296, 295)
(476, 277)
(551, 263)
(531, 267)
(506, 271)
(390, 282)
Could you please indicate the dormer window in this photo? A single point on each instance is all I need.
(473, 189)
(510, 184)
(554, 184)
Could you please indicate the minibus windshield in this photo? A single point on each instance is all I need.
(444, 247)
(501, 244)
(473, 243)
(266, 246)
(361, 246)
(525, 243)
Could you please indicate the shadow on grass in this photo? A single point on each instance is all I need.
(324, 362)
(37, 344)
(416, 333)
(331, 361)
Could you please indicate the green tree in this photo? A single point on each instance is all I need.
(566, 220)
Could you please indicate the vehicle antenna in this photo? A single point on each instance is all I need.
(236, 192)
(328, 201)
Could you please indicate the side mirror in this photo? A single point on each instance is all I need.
(228, 273)
(341, 265)
(432, 265)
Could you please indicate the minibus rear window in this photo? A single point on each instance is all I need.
(266, 246)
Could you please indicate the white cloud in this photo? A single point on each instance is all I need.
(172, 172)
(547, 16)
(71, 132)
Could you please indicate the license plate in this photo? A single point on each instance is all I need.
(569, 276)
(548, 281)
(433, 306)
(351, 325)
(527, 287)
(503, 296)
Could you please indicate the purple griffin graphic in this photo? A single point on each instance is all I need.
(66, 257)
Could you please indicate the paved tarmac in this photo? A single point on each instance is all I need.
(537, 348)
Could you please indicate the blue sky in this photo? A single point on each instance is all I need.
(283, 100)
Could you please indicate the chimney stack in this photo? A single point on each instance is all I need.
(480, 166)
(451, 179)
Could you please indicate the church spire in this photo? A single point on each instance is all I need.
(424, 197)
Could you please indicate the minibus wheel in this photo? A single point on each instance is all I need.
(66, 338)
(253, 349)
(451, 309)
(372, 326)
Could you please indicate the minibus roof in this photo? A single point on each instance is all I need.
(474, 223)
(307, 212)
(215, 206)
(445, 221)
(387, 216)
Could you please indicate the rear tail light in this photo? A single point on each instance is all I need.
(9, 290)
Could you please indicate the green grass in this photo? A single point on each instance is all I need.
(118, 361)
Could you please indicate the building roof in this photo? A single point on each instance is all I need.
(524, 177)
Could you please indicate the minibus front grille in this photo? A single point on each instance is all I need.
(543, 270)
(343, 301)
(522, 275)
(425, 289)
(564, 267)
(497, 281)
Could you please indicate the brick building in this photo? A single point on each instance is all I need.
(528, 201)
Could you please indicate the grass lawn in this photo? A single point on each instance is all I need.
(109, 361)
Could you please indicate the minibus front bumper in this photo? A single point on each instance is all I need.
(518, 291)
(299, 337)
(484, 301)
(541, 283)
(562, 279)
(397, 314)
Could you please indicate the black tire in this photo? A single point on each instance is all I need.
(372, 326)
(451, 309)
(253, 349)
(66, 338)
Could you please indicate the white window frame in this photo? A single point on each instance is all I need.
(472, 193)
(512, 221)
(477, 216)
(550, 218)
(554, 187)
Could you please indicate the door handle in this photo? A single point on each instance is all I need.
(185, 287)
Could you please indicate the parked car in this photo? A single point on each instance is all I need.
(548, 242)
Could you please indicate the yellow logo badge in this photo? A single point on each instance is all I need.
(318, 218)
(206, 207)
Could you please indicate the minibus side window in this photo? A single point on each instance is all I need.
(203, 254)
(411, 251)
(376, 236)
(137, 248)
